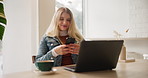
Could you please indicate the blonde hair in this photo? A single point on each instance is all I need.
(53, 29)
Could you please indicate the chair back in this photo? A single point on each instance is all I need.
(33, 58)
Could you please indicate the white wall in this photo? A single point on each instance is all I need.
(42, 12)
(17, 37)
(22, 33)
(34, 27)
(46, 11)
(104, 16)
(138, 18)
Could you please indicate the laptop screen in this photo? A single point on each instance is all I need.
(98, 55)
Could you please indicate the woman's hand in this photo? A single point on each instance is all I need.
(64, 49)
(61, 49)
(74, 48)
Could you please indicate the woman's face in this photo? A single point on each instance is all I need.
(64, 21)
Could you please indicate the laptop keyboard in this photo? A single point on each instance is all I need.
(71, 67)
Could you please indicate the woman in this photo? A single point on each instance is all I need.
(53, 45)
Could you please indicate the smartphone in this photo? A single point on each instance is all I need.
(70, 40)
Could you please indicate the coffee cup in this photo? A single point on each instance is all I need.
(45, 65)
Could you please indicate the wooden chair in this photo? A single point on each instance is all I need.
(33, 58)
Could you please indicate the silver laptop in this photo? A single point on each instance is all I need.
(97, 55)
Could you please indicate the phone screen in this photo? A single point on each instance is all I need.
(70, 40)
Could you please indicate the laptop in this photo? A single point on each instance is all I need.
(97, 55)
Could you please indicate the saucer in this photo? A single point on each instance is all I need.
(46, 72)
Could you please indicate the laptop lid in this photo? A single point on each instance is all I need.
(98, 55)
